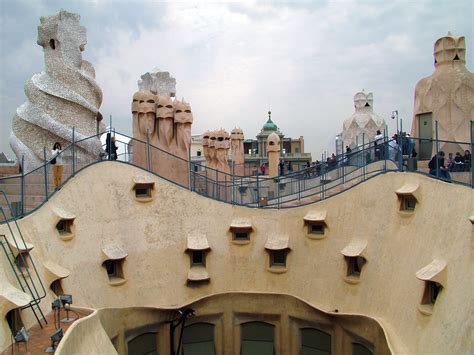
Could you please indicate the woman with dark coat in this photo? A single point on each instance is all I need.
(111, 147)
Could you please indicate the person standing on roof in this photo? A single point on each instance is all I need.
(378, 139)
(57, 163)
(437, 168)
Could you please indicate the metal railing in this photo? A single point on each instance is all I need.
(17, 252)
(28, 191)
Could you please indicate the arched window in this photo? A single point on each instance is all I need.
(315, 342)
(257, 338)
(198, 339)
(359, 349)
(143, 344)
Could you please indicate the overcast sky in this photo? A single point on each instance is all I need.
(233, 61)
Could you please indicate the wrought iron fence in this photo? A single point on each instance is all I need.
(318, 181)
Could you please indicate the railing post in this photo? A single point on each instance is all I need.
(278, 188)
(341, 164)
(45, 173)
(385, 148)
(218, 184)
(400, 148)
(233, 182)
(303, 181)
(108, 143)
(215, 184)
(22, 185)
(258, 191)
(73, 151)
(344, 173)
(111, 132)
(345, 162)
(364, 156)
(437, 148)
(207, 184)
(225, 187)
(299, 183)
(321, 176)
(189, 167)
(472, 151)
(148, 165)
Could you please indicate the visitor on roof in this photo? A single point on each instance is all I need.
(57, 162)
(393, 148)
(450, 162)
(378, 140)
(467, 159)
(437, 167)
(111, 147)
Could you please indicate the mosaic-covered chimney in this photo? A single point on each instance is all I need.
(63, 96)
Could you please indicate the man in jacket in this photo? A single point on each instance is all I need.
(437, 168)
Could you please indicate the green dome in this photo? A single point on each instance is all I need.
(269, 125)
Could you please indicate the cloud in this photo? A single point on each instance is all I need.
(233, 61)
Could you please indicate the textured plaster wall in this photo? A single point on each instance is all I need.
(91, 338)
(154, 235)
